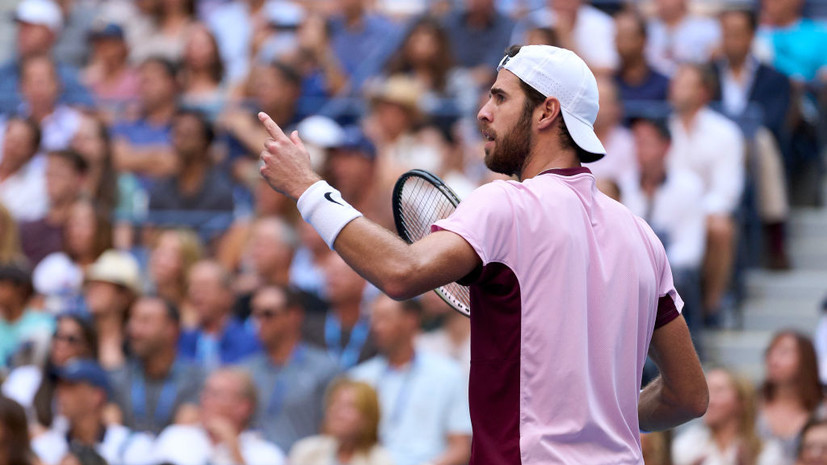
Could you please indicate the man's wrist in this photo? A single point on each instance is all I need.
(324, 208)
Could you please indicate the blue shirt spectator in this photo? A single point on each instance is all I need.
(797, 50)
(231, 344)
(479, 35)
(362, 42)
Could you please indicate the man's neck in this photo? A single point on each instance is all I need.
(87, 429)
(158, 365)
(109, 325)
(675, 19)
(348, 314)
(635, 71)
(479, 18)
(538, 162)
(687, 117)
(402, 356)
(215, 325)
(40, 113)
(737, 65)
(281, 351)
(192, 175)
(13, 313)
(651, 179)
(161, 115)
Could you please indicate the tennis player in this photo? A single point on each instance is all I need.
(569, 290)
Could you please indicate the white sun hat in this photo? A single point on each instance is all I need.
(560, 73)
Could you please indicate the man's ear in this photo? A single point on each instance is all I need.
(550, 111)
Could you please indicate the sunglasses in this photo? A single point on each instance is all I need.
(67, 338)
(267, 313)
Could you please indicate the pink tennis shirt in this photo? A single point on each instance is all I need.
(571, 287)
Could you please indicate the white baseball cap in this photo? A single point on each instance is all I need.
(560, 73)
(40, 12)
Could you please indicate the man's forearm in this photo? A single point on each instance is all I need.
(659, 409)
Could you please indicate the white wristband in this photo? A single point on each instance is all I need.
(324, 208)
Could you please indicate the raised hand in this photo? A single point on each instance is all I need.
(285, 163)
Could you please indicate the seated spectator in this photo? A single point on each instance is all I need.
(615, 137)
(173, 254)
(291, 377)
(728, 433)
(635, 78)
(109, 75)
(350, 433)
(64, 174)
(14, 430)
(33, 386)
(478, 33)
(40, 88)
(791, 42)
(171, 22)
(198, 186)
(22, 172)
(10, 250)
(813, 447)
(712, 147)
(351, 166)
(19, 324)
(344, 329)
(671, 201)
(113, 283)
(223, 434)
(268, 254)
(745, 81)
(59, 277)
(141, 144)
(791, 392)
(234, 25)
(202, 73)
(82, 393)
(219, 338)
(155, 387)
(579, 27)
(423, 420)
(39, 24)
(676, 36)
(307, 267)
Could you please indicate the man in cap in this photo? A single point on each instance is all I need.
(569, 290)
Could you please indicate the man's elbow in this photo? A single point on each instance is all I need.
(399, 285)
(700, 401)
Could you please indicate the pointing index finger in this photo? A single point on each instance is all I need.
(272, 128)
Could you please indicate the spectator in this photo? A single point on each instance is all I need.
(745, 81)
(635, 78)
(361, 40)
(19, 324)
(791, 391)
(142, 145)
(676, 36)
(22, 173)
(82, 393)
(59, 277)
(306, 269)
(423, 420)
(40, 88)
(350, 434)
(39, 24)
(199, 186)
(615, 137)
(235, 24)
(15, 433)
(813, 448)
(202, 73)
(290, 376)
(79, 17)
(64, 174)
(351, 166)
(671, 201)
(269, 252)
(101, 182)
(109, 74)
(791, 42)
(728, 432)
(223, 435)
(478, 34)
(579, 27)
(172, 21)
(219, 337)
(174, 253)
(344, 329)
(155, 387)
(113, 283)
(711, 146)
(452, 338)
(33, 386)
(10, 250)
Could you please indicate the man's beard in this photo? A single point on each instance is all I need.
(511, 150)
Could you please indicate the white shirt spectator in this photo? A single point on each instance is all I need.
(119, 446)
(24, 193)
(190, 445)
(713, 149)
(735, 92)
(695, 446)
(233, 26)
(693, 40)
(675, 213)
(620, 162)
(421, 405)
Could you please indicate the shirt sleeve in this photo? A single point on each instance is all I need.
(728, 177)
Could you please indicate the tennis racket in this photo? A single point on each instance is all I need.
(419, 200)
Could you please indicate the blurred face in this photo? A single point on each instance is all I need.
(268, 201)
(609, 114)
(780, 12)
(506, 125)
(80, 230)
(275, 322)
(271, 90)
(724, 404)
(651, 147)
(89, 143)
(670, 9)
(343, 420)
(67, 342)
(11, 300)
(567, 7)
(39, 84)
(33, 39)
(351, 171)
(62, 181)
(422, 45)
(223, 397)
(814, 446)
(110, 50)
(75, 400)
(156, 87)
(166, 262)
(267, 248)
(199, 51)
(390, 325)
(737, 36)
(188, 138)
(207, 294)
(343, 285)
(18, 143)
(393, 118)
(782, 360)
(102, 297)
(149, 329)
(628, 39)
(686, 91)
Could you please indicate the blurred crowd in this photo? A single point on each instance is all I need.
(159, 303)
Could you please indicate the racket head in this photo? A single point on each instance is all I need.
(419, 199)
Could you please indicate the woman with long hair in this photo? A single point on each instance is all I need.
(728, 434)
(15, 448)
(791, 392)
(350, 429)
(201, 74)
(172, 255)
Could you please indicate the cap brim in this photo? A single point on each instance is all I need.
(583, 135)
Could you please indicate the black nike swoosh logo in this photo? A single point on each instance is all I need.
(330, 199)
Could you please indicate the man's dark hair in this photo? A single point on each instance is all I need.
(709, 79)
(748, 13)
(79, 164)
(169, 67)
(206, 127)
(20, 276)
(534, 98)
(640, 21)
(659, 124)
(288, 72)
